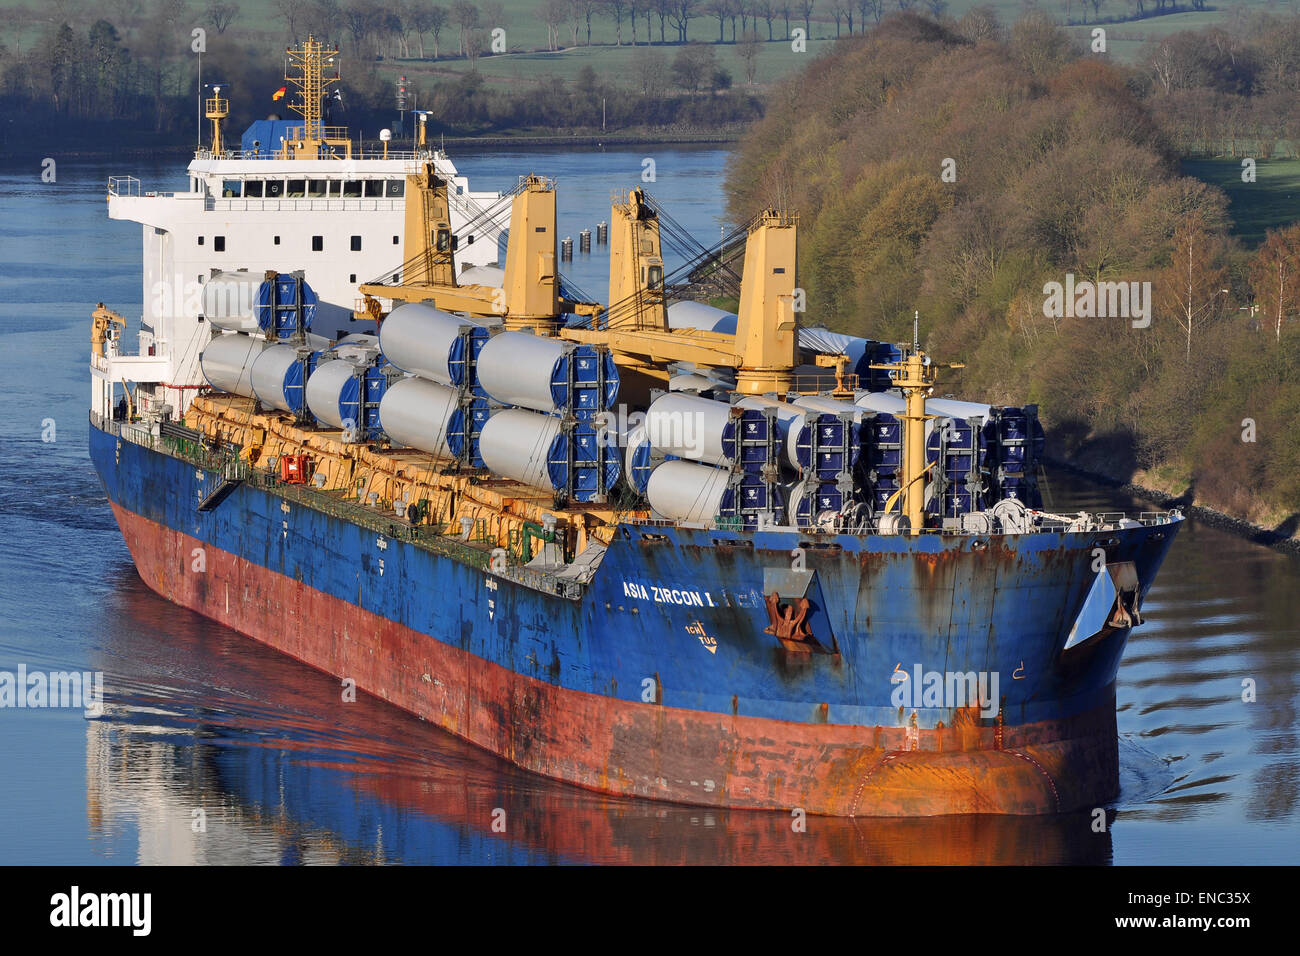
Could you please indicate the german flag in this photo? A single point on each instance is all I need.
(279, 93)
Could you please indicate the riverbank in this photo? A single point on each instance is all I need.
(1284, 538)
(522, 141)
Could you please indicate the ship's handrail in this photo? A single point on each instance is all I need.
(357, 154)
(123, 186)
(1102, 521)
(225, 460)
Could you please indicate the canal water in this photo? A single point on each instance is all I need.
(203, 724)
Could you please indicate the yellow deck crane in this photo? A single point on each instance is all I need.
(530, 298)
(764, 349)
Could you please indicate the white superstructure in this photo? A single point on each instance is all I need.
(337, 216)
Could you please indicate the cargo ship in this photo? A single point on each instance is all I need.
(648, 547)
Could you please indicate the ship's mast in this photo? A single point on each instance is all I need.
(313, 69)
(914, 376)
(216, 108)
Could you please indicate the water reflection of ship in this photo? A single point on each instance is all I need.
(284, 773)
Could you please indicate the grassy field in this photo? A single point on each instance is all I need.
(258, 25)
(1271, 201)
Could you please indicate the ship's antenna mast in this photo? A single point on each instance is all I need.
(306, 69)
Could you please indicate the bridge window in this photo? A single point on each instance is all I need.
(316, 188)
(297, 188)
(218, 243)
(253, 188)
(374, 187)
(230, 189)
(396, 188)
(317, 243)
(356, 243)
(274, 188)
(351, 188)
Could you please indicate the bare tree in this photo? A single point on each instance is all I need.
(749, 48)
(682, 13)
(618, 10)
(663, 10)
(720, 9)
(650, 67)
(476, 41)
(553, 14)
(466, 17)
(805, 11)
(291, 12)
(588, 9)
(220, 14)
(766, 10)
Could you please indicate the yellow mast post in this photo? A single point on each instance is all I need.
(216, 108)
(313, 69)
(915, 377)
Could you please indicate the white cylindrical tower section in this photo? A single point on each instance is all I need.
(515, 443)
(275, 373)
(685, 491)
(326, 388)
(697, 315)
(229, 298)
(417, 414)
(227, 363)
(516, 368)
(419, 339)
(689, 427)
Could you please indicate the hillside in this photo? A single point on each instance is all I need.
(1061, 170)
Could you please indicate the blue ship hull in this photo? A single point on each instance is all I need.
(661, 676)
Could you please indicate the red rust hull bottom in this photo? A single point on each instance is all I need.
(634, 749)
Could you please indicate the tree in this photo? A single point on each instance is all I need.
(291, 12)
(663, 9)
(765, 10)
(618, 10)
(220, 14)
(466, 17)
(693, 65)
(1274, 273)
(874, 7)
(650, 67)
(553, 14)
(805, 11)
(439, 17)
(476, 41)
(720, 9)
(837, 11)
(749, 48)
(588, 10)
(1191, 289)
(683, 12)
